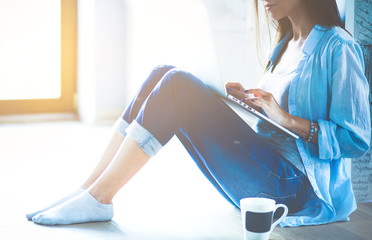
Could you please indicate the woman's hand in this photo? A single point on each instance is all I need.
(296, 124)
(259, 99)
(235, 89)
(267, 102)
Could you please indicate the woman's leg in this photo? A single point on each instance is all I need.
(181, 103)
(118, 135)
(129, 114)
(105, 160)
(237, 161)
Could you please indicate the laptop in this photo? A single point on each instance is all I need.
(259, 122)
(256, 119)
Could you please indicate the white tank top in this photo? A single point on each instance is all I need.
(278, 85)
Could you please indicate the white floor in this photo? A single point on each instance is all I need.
(168, 199)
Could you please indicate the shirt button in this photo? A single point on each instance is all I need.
(307, 163)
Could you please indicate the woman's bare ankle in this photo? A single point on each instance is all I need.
(101, 196)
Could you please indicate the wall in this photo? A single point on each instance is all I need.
(101, 59)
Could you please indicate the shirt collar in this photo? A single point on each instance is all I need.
(309, 46)
(313, 39)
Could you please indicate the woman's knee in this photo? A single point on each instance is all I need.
(164, 68)
(179, 79)
(156, 75)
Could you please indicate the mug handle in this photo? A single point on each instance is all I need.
(282, 217)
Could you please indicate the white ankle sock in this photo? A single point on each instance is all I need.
(83, 208)
(29, 216)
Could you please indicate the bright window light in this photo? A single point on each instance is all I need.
(30, 46)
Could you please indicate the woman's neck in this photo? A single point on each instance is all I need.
(302, 24)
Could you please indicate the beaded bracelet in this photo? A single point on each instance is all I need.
(313, 129)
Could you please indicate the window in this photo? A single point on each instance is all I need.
(38, 60)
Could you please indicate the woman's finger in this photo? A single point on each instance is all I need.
(256, 91)
(255, 101)
(236, 93)
(234, 85)
(249, 96)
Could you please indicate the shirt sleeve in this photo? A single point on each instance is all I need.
(347, 132)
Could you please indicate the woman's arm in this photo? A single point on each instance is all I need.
(267, 102)
(346, 132)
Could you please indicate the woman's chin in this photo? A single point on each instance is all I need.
(275, 17)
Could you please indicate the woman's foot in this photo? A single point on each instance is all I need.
(29, 216)
(81, 209)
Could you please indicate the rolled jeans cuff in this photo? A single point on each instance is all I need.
(146, 141)
(120, 126)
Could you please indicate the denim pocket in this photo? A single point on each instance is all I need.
(290, 174)
(283, 170)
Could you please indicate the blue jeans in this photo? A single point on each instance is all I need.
(237, 161)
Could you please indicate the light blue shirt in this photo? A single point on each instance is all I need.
(330, 87)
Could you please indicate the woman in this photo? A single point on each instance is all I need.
(314, 85)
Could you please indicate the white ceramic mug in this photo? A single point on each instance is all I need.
(257, 217)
